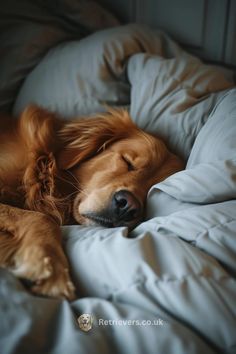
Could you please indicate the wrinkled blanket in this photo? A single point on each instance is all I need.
(170, 287)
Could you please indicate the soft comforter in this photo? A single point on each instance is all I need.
(171, 286)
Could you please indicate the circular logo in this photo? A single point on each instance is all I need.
(85, 322)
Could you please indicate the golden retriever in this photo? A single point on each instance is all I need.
(93, 171)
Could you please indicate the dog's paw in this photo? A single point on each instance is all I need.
(34, 272)
(38, 257)
(48, 275)
(58, 285)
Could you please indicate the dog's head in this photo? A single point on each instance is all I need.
(113, 164)
(85, 322)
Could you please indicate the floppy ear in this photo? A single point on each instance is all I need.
(84, 138)
(38, 127)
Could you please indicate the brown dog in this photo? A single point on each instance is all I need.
(94, 171)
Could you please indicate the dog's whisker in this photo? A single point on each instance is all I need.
(69, 182)
(81, 189)
(69, 195)
(72, 175)
(77, 189)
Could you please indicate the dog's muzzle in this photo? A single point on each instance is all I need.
(124, 209)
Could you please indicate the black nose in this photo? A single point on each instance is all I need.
(125, 206)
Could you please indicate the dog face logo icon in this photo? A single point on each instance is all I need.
(85, 322)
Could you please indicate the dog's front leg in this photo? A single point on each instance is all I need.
(30, 246)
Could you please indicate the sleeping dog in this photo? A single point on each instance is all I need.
(93, 171)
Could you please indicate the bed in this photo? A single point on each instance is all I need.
(170, 285)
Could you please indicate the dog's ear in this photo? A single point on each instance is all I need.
(84, 138)
(38, 127)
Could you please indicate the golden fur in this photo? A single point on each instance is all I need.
(94, 171)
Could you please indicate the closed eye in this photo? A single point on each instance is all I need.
(128, 163)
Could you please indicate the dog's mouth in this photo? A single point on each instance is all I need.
(99, 220)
